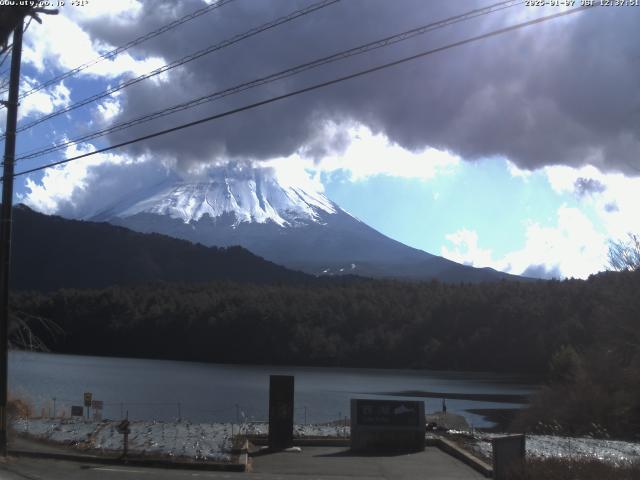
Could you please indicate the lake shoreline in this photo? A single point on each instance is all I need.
(166, 390)
(508, 377)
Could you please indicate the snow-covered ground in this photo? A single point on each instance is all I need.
(179, 439)
(300, 431)
(200, 441)
(546, 446)
(213, 442)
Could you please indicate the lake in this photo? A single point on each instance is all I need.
(200, 392)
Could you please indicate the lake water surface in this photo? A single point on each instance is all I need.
(200, 392)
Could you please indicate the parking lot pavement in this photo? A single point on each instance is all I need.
(317, 463)
(338, 462)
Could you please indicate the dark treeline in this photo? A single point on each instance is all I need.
(504, 326)
(585, 335)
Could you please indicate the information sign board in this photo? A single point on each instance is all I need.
(387, 425)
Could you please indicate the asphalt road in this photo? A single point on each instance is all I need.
(315, 463)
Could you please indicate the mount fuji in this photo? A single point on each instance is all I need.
(286, 224)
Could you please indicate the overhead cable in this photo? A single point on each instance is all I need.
(126, 46)
(177, 63)
(361, 49)
(313, 87)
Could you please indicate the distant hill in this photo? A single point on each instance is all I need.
(51, 252)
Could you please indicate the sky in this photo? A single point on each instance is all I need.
(519, 152)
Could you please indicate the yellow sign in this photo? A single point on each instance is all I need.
(87, 399)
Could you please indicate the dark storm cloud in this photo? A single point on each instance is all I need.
(564, 92)
(588, 186)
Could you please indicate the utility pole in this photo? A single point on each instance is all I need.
(13, 18)
(5, 225)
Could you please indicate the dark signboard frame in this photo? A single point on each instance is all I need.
(387, 425)
(508, 455)
(77, 411)
(281, 393)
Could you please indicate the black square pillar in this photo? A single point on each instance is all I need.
(280, 411)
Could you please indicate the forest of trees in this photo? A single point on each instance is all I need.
(583, 335)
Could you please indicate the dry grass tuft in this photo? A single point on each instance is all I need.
(18, 407)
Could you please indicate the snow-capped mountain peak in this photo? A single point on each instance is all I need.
(249, 196)
(252, 208)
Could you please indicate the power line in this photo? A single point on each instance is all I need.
(132, 43)
(27, 26)
(183, 60)
(393, 39)
(4, 59)
(313, 87)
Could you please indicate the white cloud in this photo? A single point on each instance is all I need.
(616, 206)
(61, 41)
(365, 155)
(65, 189)
(108, 110)
(573, 247)
(368, 155)
(126, 10)
(466, 249)
(294, 171)
(43, 101)
(517, 172)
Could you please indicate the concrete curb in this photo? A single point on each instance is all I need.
(137, 462)
(452, 449)
(243, 456)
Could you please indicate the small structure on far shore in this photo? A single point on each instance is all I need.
(446, 421)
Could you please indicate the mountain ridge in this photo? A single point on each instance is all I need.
(51, 252)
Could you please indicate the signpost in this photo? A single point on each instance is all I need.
(387, 425)
(87, 401)
(97, 406)
(123, 428)
(280, 411)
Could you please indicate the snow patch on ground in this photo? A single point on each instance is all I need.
(213, 442)
(198, 441)
(615, 452)
(300, 431)
(178, 439)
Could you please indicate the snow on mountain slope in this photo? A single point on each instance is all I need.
(250, 197)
